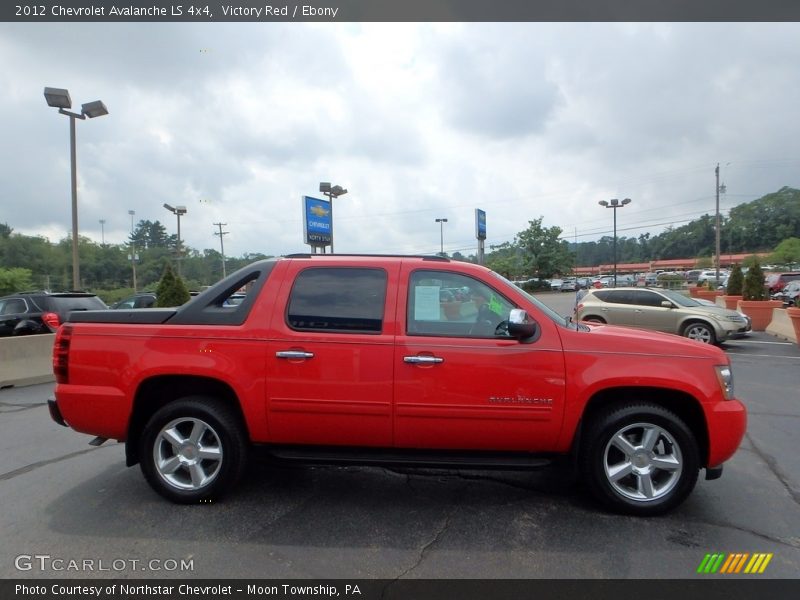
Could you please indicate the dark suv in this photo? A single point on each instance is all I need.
(41, 312)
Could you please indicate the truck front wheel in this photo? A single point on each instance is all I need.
(639, 459)
(193, 449)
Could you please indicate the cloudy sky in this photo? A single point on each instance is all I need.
(237, 121)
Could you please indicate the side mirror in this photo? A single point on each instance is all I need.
(521, 327)
(667, 304)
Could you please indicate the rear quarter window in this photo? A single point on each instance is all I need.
(65, 305)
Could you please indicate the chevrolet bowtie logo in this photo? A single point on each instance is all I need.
(319, 211)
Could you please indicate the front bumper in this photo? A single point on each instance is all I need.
(727, 423)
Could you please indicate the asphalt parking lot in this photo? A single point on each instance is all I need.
(64, 499)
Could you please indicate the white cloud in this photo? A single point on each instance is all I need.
(418, 121)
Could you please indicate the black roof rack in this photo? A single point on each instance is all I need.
(422, 256)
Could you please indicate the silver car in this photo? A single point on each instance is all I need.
(662, 310)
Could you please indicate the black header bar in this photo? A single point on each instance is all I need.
(340, 11)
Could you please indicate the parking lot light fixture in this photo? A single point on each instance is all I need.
(331, 192)
(615, 204)
(177, 211)
(441, 235)
(59, 98)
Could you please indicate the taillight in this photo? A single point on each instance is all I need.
(61, 354)
(51, 320)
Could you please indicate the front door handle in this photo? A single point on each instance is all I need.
(294, 354)
(423, 360)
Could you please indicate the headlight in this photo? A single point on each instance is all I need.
(737, 318)
(725, 378)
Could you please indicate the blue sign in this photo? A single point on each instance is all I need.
(317, 221)
(480, 224)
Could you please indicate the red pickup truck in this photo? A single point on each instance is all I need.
(394, 360)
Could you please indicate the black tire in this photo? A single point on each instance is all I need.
(639, 459)
(597, 320)
(193, 449)
(700, 332)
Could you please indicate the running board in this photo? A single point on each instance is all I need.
(409, 458)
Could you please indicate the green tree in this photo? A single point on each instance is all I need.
(543, 252)
(171, 290)
(15, 280)
(787, 252)
(507, 259)
(735, 281)
(754, 288)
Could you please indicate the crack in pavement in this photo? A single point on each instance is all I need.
(15, 408)
(424, 550)
(44, 463)
(773, 466)
(790, 542)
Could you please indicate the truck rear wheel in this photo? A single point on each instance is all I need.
(639, 459)
(193, 449)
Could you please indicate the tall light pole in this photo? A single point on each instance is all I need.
(60, 99)
(615, 204)
(331, 193)
(178, 211)
(132, 255)
(717, 245)
(441, 223)
(103, 232)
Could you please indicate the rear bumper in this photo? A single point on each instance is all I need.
(55, 413)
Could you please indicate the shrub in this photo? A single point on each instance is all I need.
(754, 288)
(735, 281)
(171, 290)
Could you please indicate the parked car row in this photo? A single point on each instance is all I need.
(777, 281)
(790, 295)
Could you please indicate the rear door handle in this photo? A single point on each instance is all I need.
(423, 360)
(294, 354)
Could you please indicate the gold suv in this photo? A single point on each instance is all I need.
(662, 310)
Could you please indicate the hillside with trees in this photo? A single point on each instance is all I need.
(768, 224)
(758, 226)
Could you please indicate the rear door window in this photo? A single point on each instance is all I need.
(340, 299)
(645, 298)
(13, 306)
(615, 296)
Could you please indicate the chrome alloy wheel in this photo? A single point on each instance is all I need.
(700, 333)
(642, 462)
(187, 453)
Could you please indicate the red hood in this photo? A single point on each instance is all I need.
(627, 340)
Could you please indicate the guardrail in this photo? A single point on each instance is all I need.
(26, 360)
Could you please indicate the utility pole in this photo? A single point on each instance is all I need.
(222, 245)
(717, 225)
